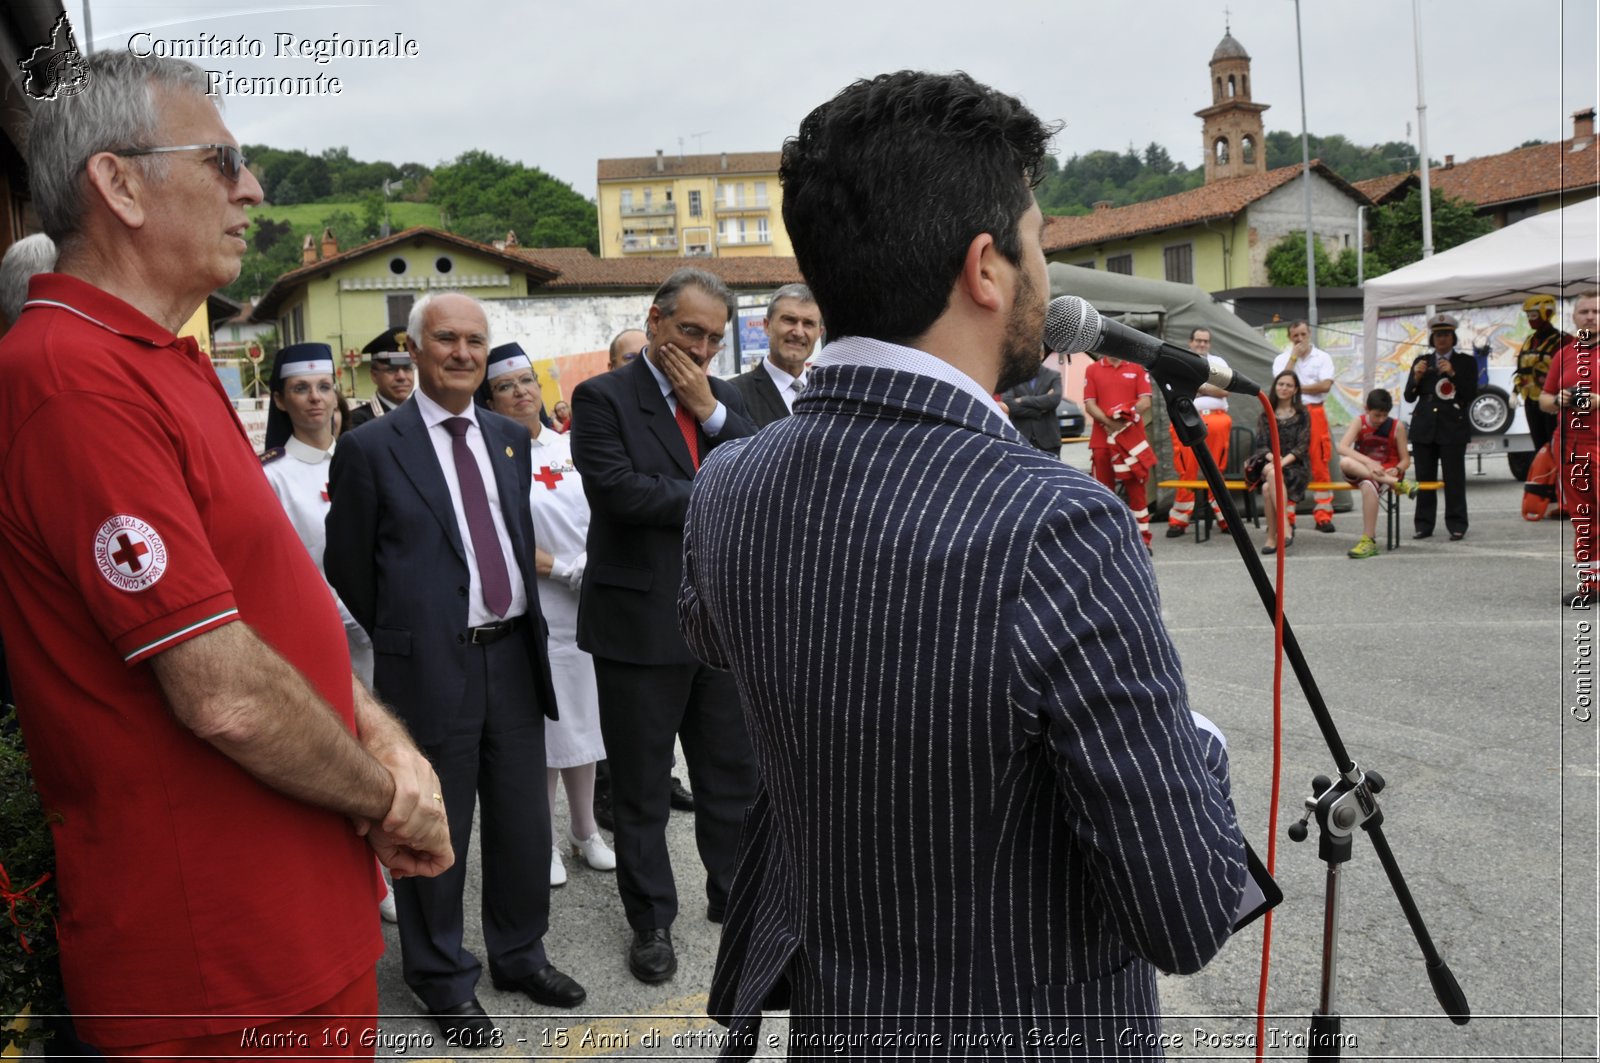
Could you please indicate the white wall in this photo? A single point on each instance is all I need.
(554, 326)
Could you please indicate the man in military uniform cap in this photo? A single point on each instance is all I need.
(393, 376)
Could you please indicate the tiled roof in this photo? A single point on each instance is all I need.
(1524, 173)
(1378, 189)
(578, 268)
(689, 165)
(1211, 202)
(267, 305)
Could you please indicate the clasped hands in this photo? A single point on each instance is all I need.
(414, 836)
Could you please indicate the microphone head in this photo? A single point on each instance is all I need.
(1071, 325)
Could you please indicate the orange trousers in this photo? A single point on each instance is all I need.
(1219, 426)
(1321, 456)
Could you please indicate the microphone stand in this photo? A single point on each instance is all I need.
(1339, 806)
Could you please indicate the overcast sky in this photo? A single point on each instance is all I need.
(559, 84)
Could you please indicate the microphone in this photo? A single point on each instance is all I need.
(1071, 324)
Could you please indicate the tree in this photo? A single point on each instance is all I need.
(1397, 229)
(1286, 264)
(1157, 159)
(484, 195)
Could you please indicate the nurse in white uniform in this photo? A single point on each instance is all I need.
(560, 526)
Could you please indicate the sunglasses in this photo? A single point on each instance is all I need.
(229, 159)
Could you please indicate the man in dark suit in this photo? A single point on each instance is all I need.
(638, 435)
(793, 325)
(1443, 384)
(985, 806)
(1031, 405)
(430, 545)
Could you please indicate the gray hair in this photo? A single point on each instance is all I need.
(29, 255)
(789, 291)
(116, 109)
(666, 296)
(420, 307)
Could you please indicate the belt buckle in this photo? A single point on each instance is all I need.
(484, 634)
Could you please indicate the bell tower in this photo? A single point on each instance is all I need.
(1231, 127)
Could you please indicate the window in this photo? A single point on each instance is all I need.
(1119, 264)
(1247, 150)
(647, 194)
(761, 193)
(397, 265)
(1219, 151)
(1180, 263)
(1230, 86)
(400, 309)
(627, 200)
(730, 194)
(293, 326)
(1218, 96)
(762, 235)
(1086, 265)
(694, 203)
(443, 264)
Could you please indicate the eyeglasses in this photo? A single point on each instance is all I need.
(695, 335)
(229, 159)
(527, 382)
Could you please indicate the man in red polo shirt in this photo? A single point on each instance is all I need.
(218, 781)
(1116, 396)
(1569, 392)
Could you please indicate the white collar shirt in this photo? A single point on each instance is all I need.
(789, 387)
(1313, 368)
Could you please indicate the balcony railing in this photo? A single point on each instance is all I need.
(741, 203)
(634, 210)
(740, 240)
(649, 243)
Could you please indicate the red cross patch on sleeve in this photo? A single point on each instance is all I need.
(129, 553)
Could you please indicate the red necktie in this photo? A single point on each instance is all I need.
(691, 433)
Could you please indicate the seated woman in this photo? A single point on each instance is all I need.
(560, 525)
(1294, 440)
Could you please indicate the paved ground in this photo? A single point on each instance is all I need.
(1448, 668)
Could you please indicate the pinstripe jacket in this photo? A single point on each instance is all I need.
(985, 809)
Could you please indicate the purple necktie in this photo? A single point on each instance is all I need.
(480, 525)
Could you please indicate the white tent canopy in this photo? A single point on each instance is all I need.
(1556, 252)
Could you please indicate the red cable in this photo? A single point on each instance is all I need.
(1277, 720)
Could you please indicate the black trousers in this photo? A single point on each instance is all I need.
(643, 708)
(493, 756)
(1430, 460)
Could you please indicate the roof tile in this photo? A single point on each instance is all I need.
(1210, 202)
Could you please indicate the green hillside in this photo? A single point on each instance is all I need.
(308, 217)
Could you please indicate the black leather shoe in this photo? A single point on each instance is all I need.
(651, 957)
(1456, 537)
(1422, 535)
(546, 986)
(682, 799)
(465, 1025)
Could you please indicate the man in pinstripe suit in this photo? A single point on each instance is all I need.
(986, 814)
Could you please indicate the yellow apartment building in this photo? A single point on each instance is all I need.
(693, 206)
